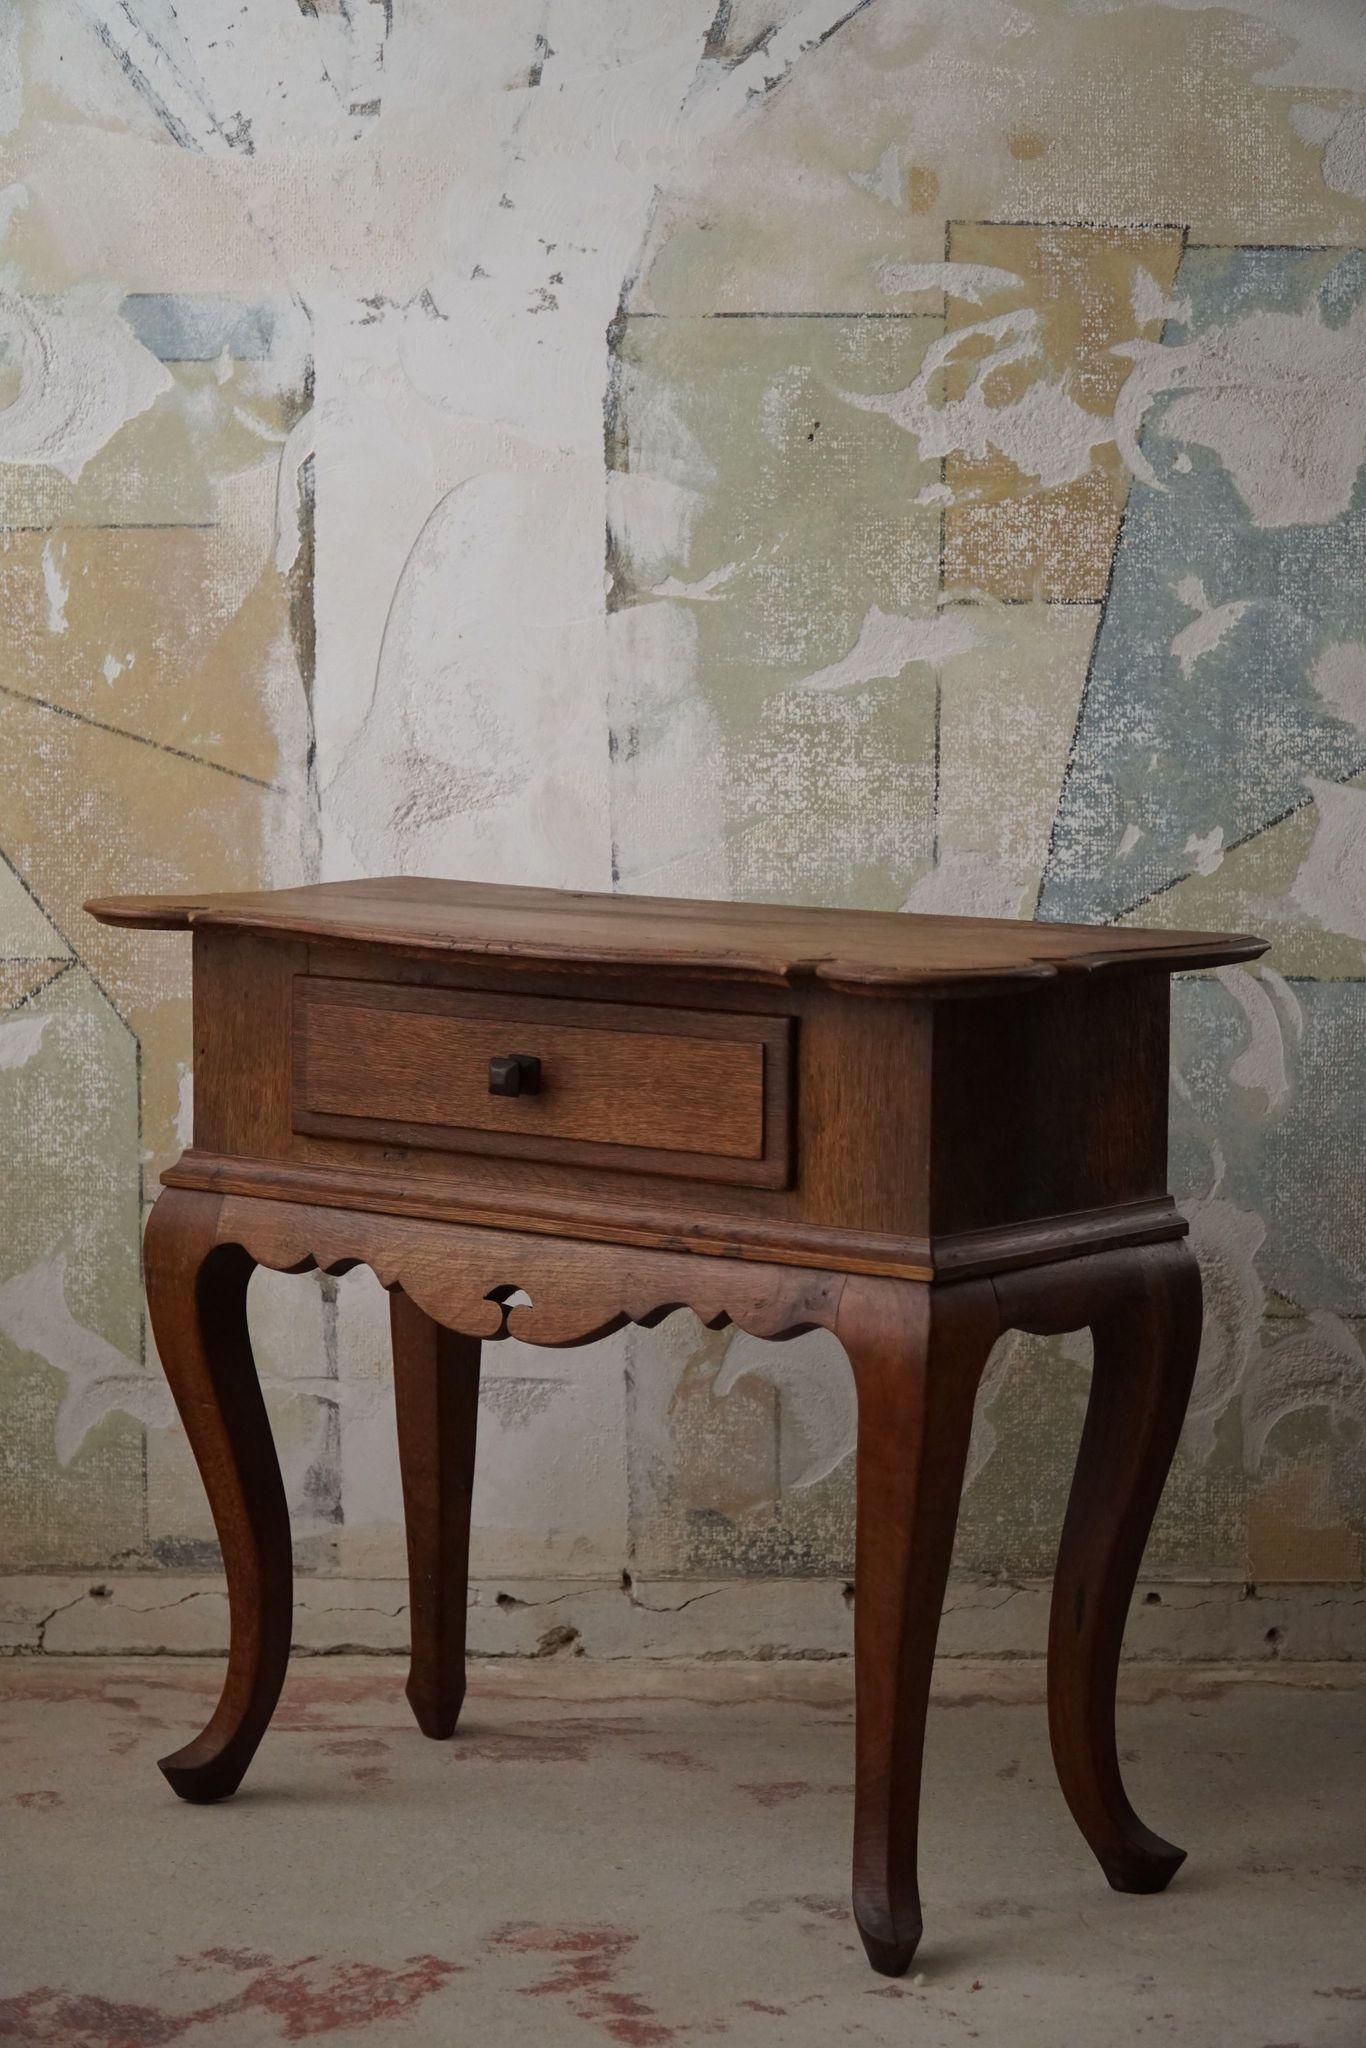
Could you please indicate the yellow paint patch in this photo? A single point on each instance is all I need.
(159, 628)
(922, 188)
(1026, 144)
(96, 813)
(1295, 1529)
(1004, 536)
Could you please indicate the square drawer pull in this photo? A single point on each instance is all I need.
(514, 1073)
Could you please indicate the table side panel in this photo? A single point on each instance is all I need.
(243, 1080)
(1050, 1103)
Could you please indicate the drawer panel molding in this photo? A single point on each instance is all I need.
(697, 1093)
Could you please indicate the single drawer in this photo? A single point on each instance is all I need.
(700, 1093)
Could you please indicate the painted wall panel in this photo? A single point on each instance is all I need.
(907, 455)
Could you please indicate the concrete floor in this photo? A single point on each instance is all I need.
(652, 1855)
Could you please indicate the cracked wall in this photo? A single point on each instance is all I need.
(971, 400)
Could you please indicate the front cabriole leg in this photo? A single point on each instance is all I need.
(917, 1354)
(197, 1295)
(1147, 1339)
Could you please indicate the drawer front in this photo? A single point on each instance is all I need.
(699, 1093)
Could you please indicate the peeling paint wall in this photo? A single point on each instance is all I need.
(904, 455)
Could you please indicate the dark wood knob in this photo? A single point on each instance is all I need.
(514, 1073)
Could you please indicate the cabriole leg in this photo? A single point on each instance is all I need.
(1147, 1339)
(436, 1397)
(917, 1354)
(197, 1296)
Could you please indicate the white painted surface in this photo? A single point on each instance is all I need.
(80, 375)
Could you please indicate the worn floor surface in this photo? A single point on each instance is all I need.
(657, 1855)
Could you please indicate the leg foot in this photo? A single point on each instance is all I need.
(436, 1398)
(917, 1354)
(197, 1296)
(1146, 1343)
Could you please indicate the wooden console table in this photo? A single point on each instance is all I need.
(916, 1131)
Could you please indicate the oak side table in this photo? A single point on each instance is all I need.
(918, 1132)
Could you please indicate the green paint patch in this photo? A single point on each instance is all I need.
(772, 732)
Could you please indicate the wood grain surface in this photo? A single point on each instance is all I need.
(784, 943)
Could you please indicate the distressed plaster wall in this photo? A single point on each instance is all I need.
(903, 454)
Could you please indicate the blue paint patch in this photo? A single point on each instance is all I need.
(1297, 1166)
(180, 327)
(1175, 756)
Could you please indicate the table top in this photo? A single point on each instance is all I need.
(781, 943)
